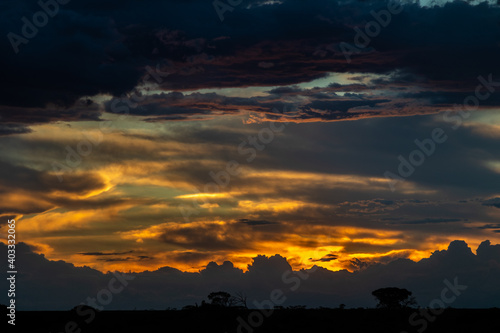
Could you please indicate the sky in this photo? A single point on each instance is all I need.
(178, 138)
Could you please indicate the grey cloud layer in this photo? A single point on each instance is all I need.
(90, 48)
(42, 289)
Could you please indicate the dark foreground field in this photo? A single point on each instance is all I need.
(250, 321)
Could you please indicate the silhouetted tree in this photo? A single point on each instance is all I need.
(392, 298)
(220, 298)
(240, 299)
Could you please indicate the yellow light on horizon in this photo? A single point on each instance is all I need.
(204, 195)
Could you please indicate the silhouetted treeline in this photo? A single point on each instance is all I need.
(238, 320)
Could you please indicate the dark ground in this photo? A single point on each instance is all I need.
(284, 320)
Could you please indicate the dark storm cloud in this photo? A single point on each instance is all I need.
(399, 78)
(431, 220)
(90, 48)
(192, 257)
(361, 247)
(327, 258)
(17, 118)
(461, 161)
(92, 203)
(177, 106)
(326, 106)
(103, 253)
(493, 227)
(217, 237)
(442, 54)
(41, 190)
(492, 202)
(145, 257)
(82, 110)
(8, 129)
(338, 109)
(39, 181)
(453, 168)
(78, 53)
(449, 98)
(175, 288)
(285, 90)
(357, 264)
(255, 222)
(114, 259)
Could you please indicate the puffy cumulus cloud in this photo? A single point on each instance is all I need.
(321, 240)
(198, 241)
(39, 290)
(488, 251)
(50, 285)
(94, 50)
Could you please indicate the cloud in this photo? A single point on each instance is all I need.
(328, 257)
(255, 222)
(430, 220)
(8, 129)
(115, 259)
(23, 182)
(479, 272)
(495, 202)
(312, 180)
(114, 53)
(104, 253)
(493, 227)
